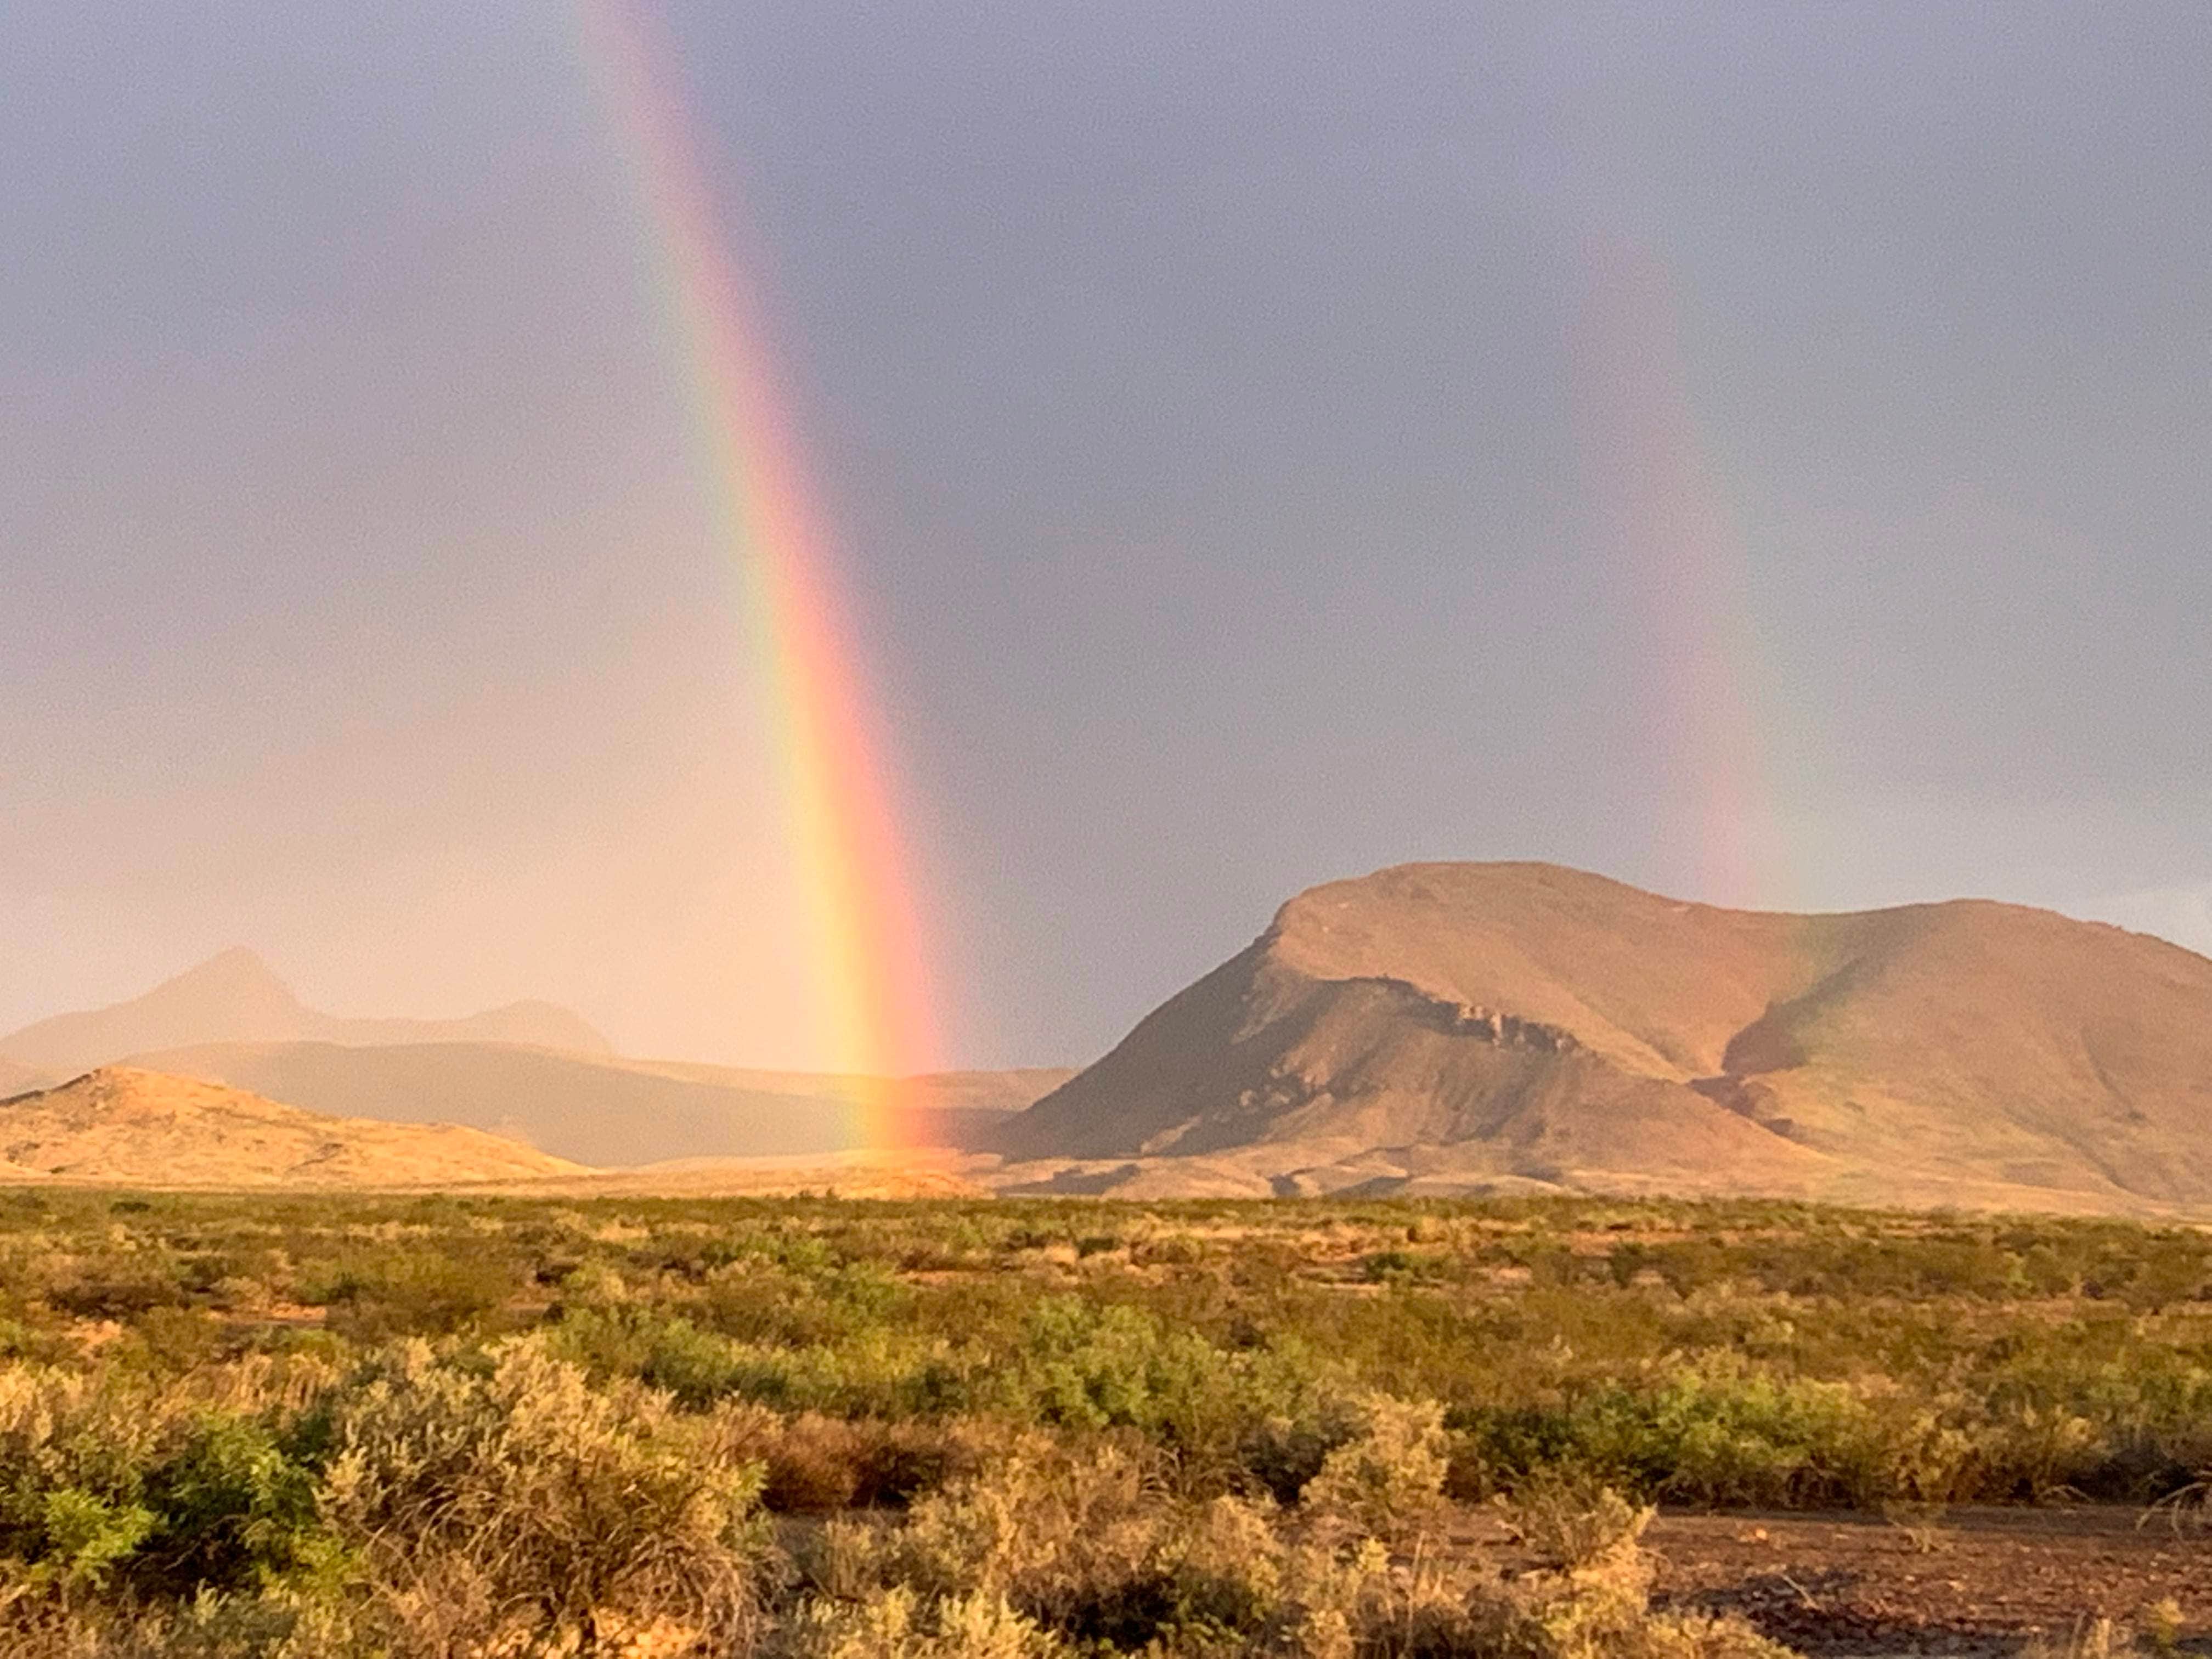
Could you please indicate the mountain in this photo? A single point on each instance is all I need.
(234, 997)
(118, 1125)
(601, 1110)
(1448, 1027)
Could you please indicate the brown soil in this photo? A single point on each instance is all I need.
(1967, 1582)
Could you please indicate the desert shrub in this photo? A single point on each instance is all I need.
(172, 1340)
(1402, 1267)
(1009, 1423)
(1039, 1525)
(1720, 1434)
(74, 1455)
(901, 1462)
(1169, 1251)
(2039, 1452)
(896, 1623)
(1089, 1547)
(115, 1284)
(1712, 1433)
(526, 1497)
(1085, 1559)
(1571, 1522)
(663, 1352)
(806, 1299)
(234, 1508)
(1083, 1366)
(107, 1483)
(375, 1295)
(809, 1464)
(877, 1371)
(812, 1464)
(1386, 1481)
(1282, 1454)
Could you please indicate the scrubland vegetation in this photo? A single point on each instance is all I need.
(447, 1426)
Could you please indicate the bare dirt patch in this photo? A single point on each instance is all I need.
(1968, 1582)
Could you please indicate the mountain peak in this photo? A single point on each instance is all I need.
(236, 996)
(238, 971)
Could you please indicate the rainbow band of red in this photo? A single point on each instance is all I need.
(861, 952)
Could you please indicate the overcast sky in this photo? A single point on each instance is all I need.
(1762, 452)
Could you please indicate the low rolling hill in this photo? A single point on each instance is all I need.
(123, 1127)
(598, 1109)
(1459, 1027)
(531, 1071)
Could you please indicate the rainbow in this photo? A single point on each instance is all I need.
(1668, 526)
(862, 945)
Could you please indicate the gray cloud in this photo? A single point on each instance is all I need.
(1193, 386)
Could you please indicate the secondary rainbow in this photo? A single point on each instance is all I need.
(862, 945)
(1668, 525)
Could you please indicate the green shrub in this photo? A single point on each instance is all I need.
(235, 1508)
(116, 1284)
(666, 1353)
(373, 1296)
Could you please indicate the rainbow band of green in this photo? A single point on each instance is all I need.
(861, 952)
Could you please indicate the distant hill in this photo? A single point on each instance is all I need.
(1453, 1027)
(133, 1127)
(598, 1109)
(15, 1079)
(235, 998)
